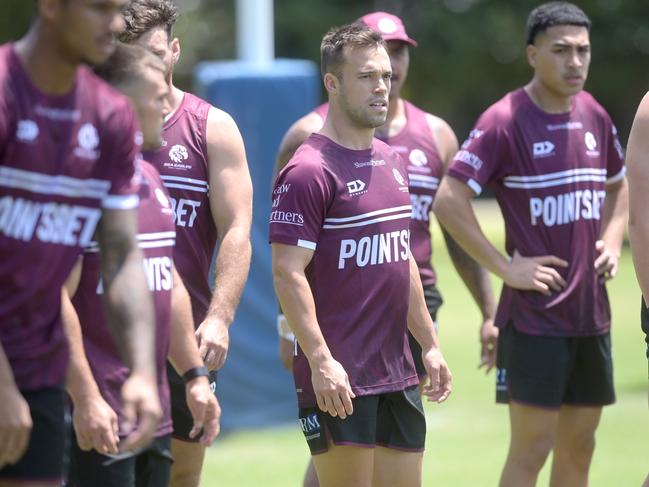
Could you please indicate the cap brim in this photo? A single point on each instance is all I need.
(407, 40)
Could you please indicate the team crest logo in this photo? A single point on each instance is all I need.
(387, 26)
(418, 157)
(88, 140)
(178, 153)
(27, 130)
(591, 144)
(398, 177)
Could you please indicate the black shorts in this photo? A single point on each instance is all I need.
(644, 322)
(550, 371)
(433, 303)
(393, 420)
(180, 413)
(46, 457)
(149, 467)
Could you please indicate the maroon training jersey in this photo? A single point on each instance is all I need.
(156, 236)
(549, 174)
(62, 158)
(416, 145)
(352, 208)
(183, 166)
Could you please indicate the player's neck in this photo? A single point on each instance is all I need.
(48, 70)
(547, 100)
(395, 120)
(176, 96)
(339, 128)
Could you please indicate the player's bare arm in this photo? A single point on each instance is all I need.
(231, 204)
(184, 355)
(638, 180)
(422, 328)
(294, 137)
(95, 423)
(474, 276)
(330, 382)
(16, 420)
(614, 217)
(453, 209)
(129, 312)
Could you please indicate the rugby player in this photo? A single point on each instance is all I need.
(67, 160)
(638, 162)
(140, 75)
(428, 144)
(203, 166)
(551, 155)
(348, 284)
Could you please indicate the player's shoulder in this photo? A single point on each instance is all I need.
(502, 112)
(304, 127)
(587, 102)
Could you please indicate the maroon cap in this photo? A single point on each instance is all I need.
(388, 25)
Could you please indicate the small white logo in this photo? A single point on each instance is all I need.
(473, 135)
(398, 177)
(88, 137)
(591, 143)
(355, 187)
(88, 140)
(27, 130)
(178, 153)
(162, 198)
(418, 157)
(139, 138)
(542, 149)
(387, 26)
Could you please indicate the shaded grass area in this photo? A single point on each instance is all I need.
(468, 435)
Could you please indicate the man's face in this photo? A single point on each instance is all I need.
(149, 97)
(365, 85)
(560, 57)
(87, 28)
(400, 61)
(157, 41)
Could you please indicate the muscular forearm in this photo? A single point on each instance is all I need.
(129, 308)
(474, 276)
(183, 349)
(614, 216)
(232, 265)
(455, 213)
(420, 323)
(80, 381)
(298, 305)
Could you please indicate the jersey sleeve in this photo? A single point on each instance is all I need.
(299, 205)
(615, 167)
(482, 157)
(122, 157)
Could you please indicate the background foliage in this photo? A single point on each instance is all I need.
(470, 51)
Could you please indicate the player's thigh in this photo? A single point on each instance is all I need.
(153, 467)
(577, 426)
(591, 377)
(532, 427)
(188, 458)
(395, 467)
(345, 466)
(43, 462)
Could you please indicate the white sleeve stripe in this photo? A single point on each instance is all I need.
(473, 184)
(618, 177)
(306, 244)
(117, 202)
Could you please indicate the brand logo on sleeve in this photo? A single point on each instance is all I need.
(542, 149)
(470, 159)
(397, 175)
(27, 131)
(474, 134)
(356, 187)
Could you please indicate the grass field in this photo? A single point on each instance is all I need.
(468, 435)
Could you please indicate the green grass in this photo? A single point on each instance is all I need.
(468, 435)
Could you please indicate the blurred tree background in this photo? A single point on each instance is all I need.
(470, 51)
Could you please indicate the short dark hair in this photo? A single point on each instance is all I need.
(351, 35)
(129, 63)
(141, 16)
(554, 13)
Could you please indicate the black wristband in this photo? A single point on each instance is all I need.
(195, 372)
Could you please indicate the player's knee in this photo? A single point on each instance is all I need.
(580, 450)
(534, 450)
